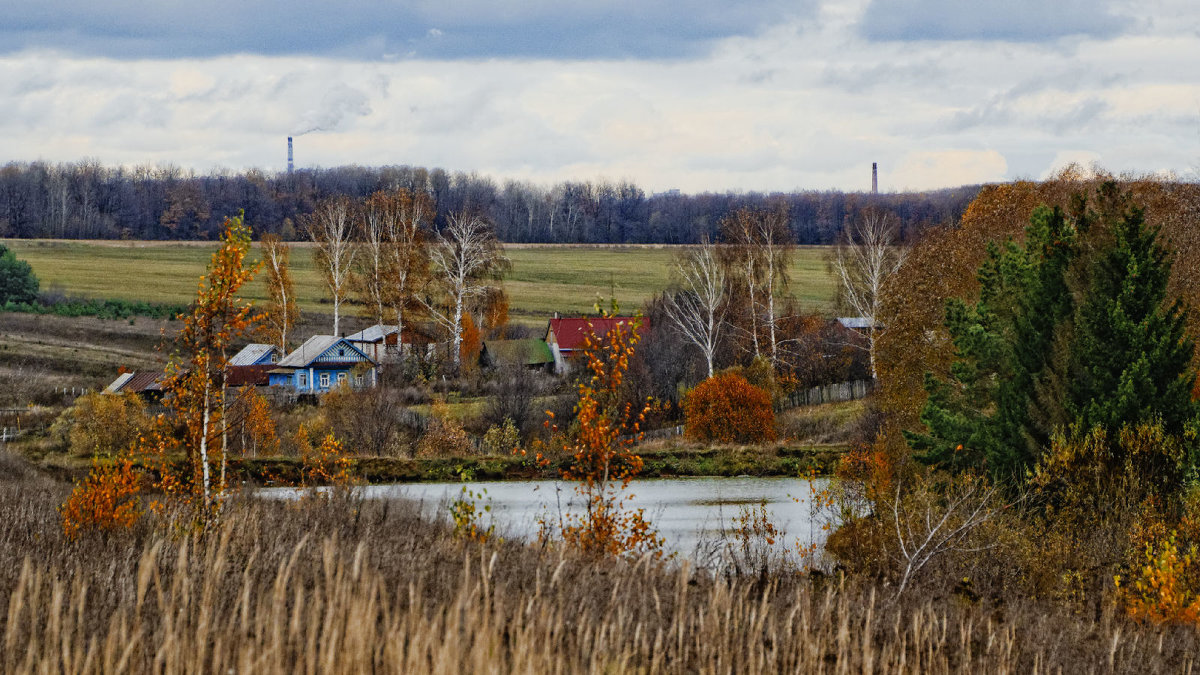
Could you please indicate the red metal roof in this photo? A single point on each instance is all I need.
(570, 332)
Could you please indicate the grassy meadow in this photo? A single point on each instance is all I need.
(543, 279)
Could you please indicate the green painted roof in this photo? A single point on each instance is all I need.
(525, 352)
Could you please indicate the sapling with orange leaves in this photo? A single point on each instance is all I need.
(196, 374)
(604, 459)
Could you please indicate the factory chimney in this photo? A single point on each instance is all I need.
(874, 170)
(289, 154)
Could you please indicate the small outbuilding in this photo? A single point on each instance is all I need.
(532, 353)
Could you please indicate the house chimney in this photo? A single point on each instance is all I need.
(289, 154)
(874, 172)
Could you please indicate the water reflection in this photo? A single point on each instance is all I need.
(686, 511)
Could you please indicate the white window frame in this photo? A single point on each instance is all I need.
(302, 379)
(324, 380)
(342, 379)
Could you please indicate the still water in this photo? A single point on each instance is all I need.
(690, 513)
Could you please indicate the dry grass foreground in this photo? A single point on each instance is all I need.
(543, 279)
(369, 587)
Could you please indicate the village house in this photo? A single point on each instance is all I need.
(322, 363)
(383, 343)
(565, 336)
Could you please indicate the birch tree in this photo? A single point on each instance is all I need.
(759, 251)
(697, 307)
(281, 312)
(464, 255)
(331, 228)
(197, 373)
(374, 259)
(863, 261)
(408, 266)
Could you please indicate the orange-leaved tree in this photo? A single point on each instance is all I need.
(196, 374)
(604, 459)
(106, 500)
(727, 408)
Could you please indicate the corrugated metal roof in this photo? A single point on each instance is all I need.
(315, 347)
(251, 354)
(146, 380)
(373, 334)
(570, 332)
(121, 381)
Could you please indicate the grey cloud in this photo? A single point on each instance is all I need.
(1002, 20)
(1001, 112)
(372, 29)
(861, 78)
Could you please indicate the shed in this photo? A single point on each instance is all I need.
(531, 353)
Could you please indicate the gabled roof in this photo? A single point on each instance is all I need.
(136, 383)
(374, 333)
(319, 345)
(530, 352)
(569, 333)
(116, 385)
(251, 354)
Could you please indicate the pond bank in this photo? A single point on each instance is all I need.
(666, 462)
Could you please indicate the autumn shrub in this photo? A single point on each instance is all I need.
(253, 424)
(1158, 588)
(502, 439)
(326, 463)
(103, 424)
(107, 499)
(726, 408)
(444, 437)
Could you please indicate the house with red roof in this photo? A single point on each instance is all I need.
(565, 336)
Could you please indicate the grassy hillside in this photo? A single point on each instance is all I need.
(543, 279)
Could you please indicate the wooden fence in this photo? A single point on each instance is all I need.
(827, 393)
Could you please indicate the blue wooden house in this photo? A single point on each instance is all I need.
(322, 363)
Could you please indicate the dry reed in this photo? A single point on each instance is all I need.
(371, 587)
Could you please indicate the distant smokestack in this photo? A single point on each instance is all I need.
(874, 170)
(289, 154)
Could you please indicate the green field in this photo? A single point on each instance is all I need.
(543, 279)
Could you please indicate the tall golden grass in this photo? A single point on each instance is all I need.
(345, 586)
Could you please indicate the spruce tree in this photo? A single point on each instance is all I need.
(980, 417)
(1130, 359)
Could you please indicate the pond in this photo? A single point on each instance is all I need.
(690, 513)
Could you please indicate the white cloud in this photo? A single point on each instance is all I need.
(804, 104)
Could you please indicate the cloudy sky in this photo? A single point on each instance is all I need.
(691, 94)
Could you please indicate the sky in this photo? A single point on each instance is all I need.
(695, 95)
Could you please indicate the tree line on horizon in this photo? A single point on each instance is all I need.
(88, 200)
